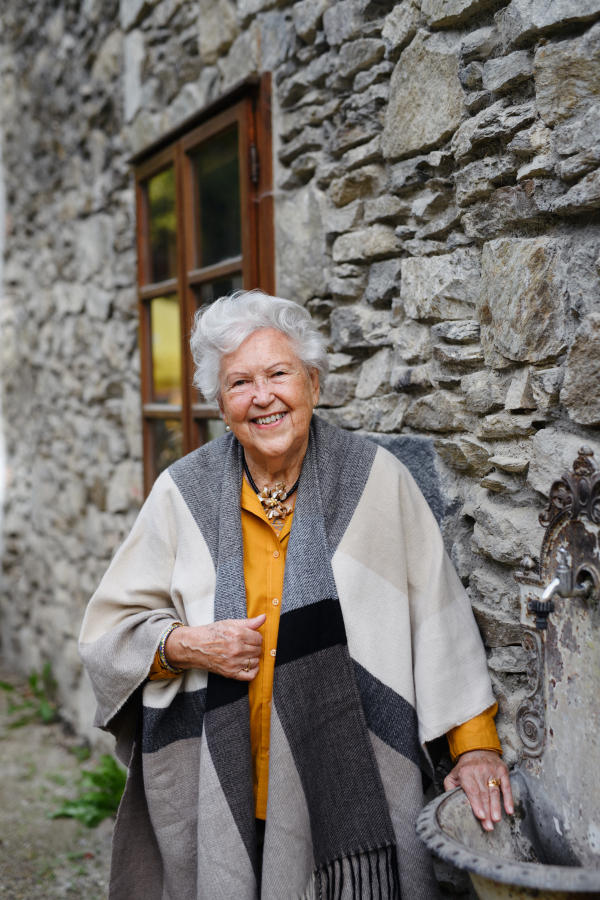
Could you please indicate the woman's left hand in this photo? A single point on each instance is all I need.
(473, 772)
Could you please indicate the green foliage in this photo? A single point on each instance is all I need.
(100, 795)
(36, 702)
(82, 752)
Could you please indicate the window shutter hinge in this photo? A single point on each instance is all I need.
(253, 164)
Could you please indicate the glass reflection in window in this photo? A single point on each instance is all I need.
(212, 290)
(165, 327)
(217, 166)
(167, 441)
(162, 226)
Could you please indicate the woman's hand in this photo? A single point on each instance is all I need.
(472, 773)
(226, 648)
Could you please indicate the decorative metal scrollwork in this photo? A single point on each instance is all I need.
(530, 715)
(577, 493)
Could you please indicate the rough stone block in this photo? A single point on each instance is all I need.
(480, 44)
(344, 290)
(524, 20)
(337, 390)
(539, 166)
(410, 378)
(457, 332)
(375, 374)
(459, 357)
(300, 244)
(508, 659)
(351, 134)
(405, 176)
(552, 453)
(401, 25)
(425, 81)
(109, 62)
(386, 209)
(337, 221)
(375, 75)
(131, 12)
(465, 454)
(308, 139)
(471, 76)
(532, 141)
(217, 28)
(384, 282)
(443, 287)
(125, 487)
(504, 533)
(579, 133)
(497, 121)
(440, 223)
(514, 464)
(579, 165)
(342, 22)
(440, 411)
(358, 55)
(545, 387)
(307, 16)
(444, 13)
(523, 301)
(134, 54)
(531, 201)
(353, 327)
(584, 196)
(363, 154)
(507, 72)
(567, 76)
(413, 342)
(581, 389)
(358, 183)
(497, 630)
(485, 391)
(375, 242)
(520, 394)
(502, 426)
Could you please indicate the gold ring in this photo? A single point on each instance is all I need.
(494, 782)
(247, 669)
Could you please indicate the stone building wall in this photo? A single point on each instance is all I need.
(436, 196)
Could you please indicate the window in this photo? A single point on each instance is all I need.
(205, 228)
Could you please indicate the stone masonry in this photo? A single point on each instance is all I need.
(437, 195)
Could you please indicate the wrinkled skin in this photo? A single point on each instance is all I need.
(472, 772)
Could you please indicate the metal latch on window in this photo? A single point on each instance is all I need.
(254, 164)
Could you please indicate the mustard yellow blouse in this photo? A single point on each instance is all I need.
(264, 563)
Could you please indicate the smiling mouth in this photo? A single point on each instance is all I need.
(269, 420)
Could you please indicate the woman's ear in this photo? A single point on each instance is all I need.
(315, 383)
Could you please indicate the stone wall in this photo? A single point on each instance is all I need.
(436, 195)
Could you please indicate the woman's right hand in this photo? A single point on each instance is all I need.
(225, 647)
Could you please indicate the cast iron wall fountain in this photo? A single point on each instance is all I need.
(550, 848)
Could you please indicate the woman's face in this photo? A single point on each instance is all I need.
(267, 396)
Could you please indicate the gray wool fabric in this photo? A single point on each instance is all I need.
(378, 653)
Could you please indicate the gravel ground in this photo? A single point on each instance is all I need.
(43, 859)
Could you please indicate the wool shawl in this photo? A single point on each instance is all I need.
(378, 653)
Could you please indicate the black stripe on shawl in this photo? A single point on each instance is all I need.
(319, 708)
(309, 629)
(388, 714)
(182, 719)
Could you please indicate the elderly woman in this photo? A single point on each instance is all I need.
(277, 641)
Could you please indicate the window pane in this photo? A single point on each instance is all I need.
(162, 226)
(212, 290)
(167, 442)
(219, 188)
(165, 327)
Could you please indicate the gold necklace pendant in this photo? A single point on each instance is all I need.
(271, 500)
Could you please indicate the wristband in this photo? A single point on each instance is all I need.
(161, 650)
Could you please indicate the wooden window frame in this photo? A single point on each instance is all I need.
(248, 105)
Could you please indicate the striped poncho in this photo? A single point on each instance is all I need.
(378, 653)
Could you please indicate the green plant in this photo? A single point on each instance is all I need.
(101, 792)
(36, 701)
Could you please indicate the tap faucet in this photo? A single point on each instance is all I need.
(562, 586)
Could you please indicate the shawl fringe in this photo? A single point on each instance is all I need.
(372, 875)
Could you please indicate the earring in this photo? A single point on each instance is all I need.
(227, 428)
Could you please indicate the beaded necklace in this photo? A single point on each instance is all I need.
(272, 499)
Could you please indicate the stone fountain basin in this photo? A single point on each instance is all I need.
(506, 863)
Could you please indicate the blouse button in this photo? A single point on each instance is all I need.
(275, 553)
(273, 652)
(275, 601)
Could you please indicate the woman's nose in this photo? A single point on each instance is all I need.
(262, 392)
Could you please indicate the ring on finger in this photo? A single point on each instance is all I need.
(247, 666)
(494, 782)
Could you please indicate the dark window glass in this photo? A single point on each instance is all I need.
(163, 233)
(165, 327)
(167, 440)
(218, 170)
(212, 290)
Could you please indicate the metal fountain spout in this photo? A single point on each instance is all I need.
(561, 586)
